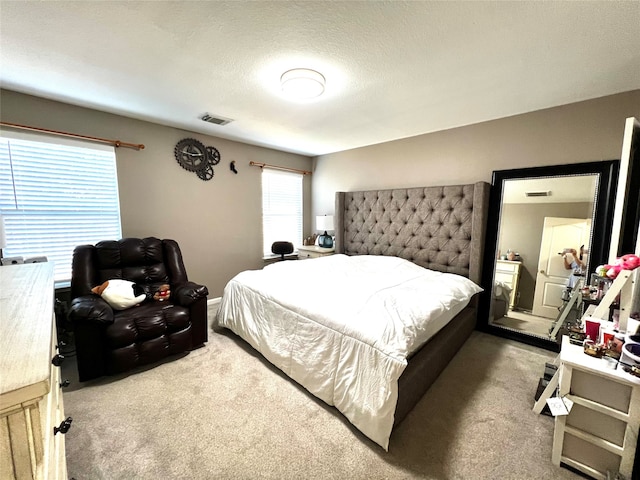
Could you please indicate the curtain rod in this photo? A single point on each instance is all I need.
(276, 167)
(115, 143)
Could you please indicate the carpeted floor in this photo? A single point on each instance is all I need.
(222, 412)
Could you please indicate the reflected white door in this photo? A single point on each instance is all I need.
(551, 278)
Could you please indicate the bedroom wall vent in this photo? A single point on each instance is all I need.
(546, 193)
(215, 120)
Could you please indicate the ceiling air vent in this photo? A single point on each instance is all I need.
(546, 193)
(216, 120)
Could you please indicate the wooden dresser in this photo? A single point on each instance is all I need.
(31, 408)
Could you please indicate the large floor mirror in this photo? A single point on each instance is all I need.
(536, 216)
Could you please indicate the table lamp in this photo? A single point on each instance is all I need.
(325, 223)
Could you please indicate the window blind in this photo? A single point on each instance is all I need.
(55, 196)
(281, 208)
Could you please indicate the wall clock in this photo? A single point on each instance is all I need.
(192, 155)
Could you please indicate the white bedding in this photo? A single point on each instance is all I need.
(344, 326)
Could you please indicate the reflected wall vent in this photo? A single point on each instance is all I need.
(546, 193)
(215, 120)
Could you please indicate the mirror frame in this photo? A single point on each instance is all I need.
(599, 250)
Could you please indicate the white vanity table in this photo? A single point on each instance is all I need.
(601, 431)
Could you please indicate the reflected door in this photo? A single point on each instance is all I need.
(551, 277)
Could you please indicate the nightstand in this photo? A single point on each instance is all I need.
(508, 272)
(313, 251)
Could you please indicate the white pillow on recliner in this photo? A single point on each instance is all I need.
(119, 294)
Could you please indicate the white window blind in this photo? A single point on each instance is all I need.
(55, 195)
(281, 208)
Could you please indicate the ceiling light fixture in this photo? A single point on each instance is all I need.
(302, 83)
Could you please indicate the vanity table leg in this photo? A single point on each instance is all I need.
(546, 393)
(631, 436)
(561, 420)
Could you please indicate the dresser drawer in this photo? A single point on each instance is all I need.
(52, 411)
(506, 278)
(507, 267)
(313, 252)
(302, 255)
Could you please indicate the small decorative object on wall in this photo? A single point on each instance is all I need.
(232, 167)
(193, 156)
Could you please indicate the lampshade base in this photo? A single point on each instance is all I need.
(325, 240)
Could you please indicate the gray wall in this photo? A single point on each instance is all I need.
(217, 223)
(579, 132)
(521, 231)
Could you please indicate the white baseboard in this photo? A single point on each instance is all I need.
(213, 301)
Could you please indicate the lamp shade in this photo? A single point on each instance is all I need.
(324, 223)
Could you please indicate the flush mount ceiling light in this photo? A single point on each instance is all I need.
(302, 83)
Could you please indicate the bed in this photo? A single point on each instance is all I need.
(421, 238)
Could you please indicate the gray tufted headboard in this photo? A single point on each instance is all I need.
(440, 228)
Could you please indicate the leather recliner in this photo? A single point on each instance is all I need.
(110, 341)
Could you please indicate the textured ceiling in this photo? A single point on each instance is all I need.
(393, 69)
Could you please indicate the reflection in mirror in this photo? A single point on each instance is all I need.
(549, 228)
(545, 227)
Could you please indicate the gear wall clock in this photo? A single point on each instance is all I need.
(193, 156)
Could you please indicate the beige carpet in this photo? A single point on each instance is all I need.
(222, 412)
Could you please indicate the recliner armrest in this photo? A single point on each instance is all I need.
(187, 293)
(90, 308)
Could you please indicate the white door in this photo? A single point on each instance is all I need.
(551, 278)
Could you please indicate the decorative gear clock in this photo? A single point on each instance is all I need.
(191, 154)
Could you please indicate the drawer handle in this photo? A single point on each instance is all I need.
(57, 360)
(65, 383)
(64, 427)
(61, 345)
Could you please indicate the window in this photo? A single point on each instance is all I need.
(281, 208)
(56, 194)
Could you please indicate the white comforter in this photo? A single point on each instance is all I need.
(343, 326)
